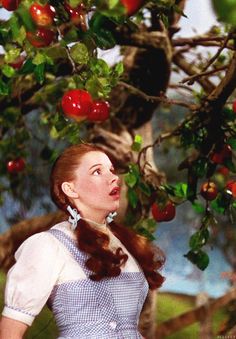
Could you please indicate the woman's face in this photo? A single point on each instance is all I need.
(97, 186)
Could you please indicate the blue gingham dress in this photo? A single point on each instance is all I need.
(106, 309)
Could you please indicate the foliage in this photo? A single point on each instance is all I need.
(36, 71)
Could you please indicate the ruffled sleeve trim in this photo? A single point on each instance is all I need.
(18, 314)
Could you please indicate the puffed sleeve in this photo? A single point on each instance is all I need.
(39, 261)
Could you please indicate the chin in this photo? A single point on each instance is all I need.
(115, 207)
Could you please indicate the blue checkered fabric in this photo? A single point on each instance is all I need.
(106, 309)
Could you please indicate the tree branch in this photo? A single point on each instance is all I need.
(220, 94)
(162, 98)
(190, 80)
(191, 69)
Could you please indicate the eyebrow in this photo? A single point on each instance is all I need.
(94, 166)
(99, 165)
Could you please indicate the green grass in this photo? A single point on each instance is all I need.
(168, 306)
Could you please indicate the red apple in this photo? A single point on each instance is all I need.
(42, 37)
(166, 213)
(18, 62)
(131, 6)
(77, 104)
(223, 170)
(209, 190)
(10, 5)
(100, 111)
(77, 15)
(15, 166)
(223, 154)
(234, 106)
(231, 186)
(42, 15)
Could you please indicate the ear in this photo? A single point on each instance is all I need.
(68, 189)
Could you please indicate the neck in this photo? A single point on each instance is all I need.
(96, 224)
(92, 215)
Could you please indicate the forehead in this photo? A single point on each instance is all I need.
(94, 157)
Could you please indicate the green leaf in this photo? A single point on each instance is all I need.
(79, 53)
(198, 258)
(93, 86)
(4, 34)
(39, 58)
(136, 146)
(112, 3)
(198, 207)
(145, 188)
(15, 27)
(132, 198)
(179, 190)
(39, 73)
(119, 68)
(232, 142)
(105, 39)
(4, 88)
(70, 36)
(74, 3)
(21, 36)
(143, 231)
(28, 67)
(221, 203)
(99, 67)
(225, 10)
(8, 71)
(53, 133)
(199, 239)
(11, 55)
(24, 14)
(56, 52)
(228, 114)
(130, 179)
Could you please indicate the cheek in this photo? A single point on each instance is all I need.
(90, 189)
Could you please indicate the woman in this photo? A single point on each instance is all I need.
(94, 277)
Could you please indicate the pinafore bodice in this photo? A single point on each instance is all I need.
(106, 309)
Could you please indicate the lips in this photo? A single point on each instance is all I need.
(115, 191)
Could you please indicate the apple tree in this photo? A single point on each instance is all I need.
(58, 88)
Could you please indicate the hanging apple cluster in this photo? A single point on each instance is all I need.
(79, 105)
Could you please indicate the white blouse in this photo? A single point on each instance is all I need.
(42, 261)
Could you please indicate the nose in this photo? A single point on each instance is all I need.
(115, 179)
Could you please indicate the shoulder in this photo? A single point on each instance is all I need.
(42, 244)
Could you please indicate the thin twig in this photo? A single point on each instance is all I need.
(192, 78)
(212, 60)
(162, 98)
(197, 40)
(204, 71)
(68, 52)
(162, 137)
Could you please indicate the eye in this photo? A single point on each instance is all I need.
(97, 171)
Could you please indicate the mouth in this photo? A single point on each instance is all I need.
(115, 191)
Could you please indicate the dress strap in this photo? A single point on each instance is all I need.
(71, 245)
